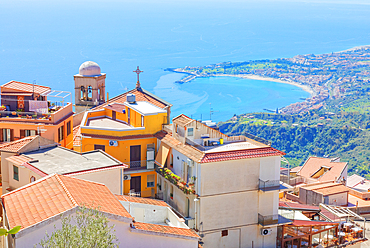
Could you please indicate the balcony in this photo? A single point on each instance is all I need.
(53, 115)
(268, 185)
(272, 220)
(140, 165)
(175, 180)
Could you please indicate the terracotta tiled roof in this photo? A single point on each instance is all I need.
(55, 194)
(313, 164)
(86, 192)
(185, 149)
(142, 200)
(241, 154)
(297, 206)
(141, 95)
(24, 87)
(182, 120)
(312, 223)
(77, 136)
(16, 145)
(116, 107)
(165, 229)
(335, 189)
(18, 159)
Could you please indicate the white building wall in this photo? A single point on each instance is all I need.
(246, 236)
(24, 176)
(110, 177)
(270, 168)
(229, 210)
(229, 176)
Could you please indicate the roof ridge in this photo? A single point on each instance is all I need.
(18, 141)
(66, 190)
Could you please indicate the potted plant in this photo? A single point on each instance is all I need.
(171, 196)
(159, 186)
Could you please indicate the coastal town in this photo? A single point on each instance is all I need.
(327, 77)
(161, 181)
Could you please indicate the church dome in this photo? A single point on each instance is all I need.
(90, 68)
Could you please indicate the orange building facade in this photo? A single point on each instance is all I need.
(124, 128)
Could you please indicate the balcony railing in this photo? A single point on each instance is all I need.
(175, 180)
(269, 185)
(140, 165)
(275, 219)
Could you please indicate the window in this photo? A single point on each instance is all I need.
(224, 233)
(99, 147)
(142, 120)
(15, 173)
(69, 129)
(26, 133)
(32, 179)
(114, 115)
(89, 93)
(60, 133)
(190, 131)
(7, 135)
(150, 179)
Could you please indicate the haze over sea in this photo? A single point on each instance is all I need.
(47, 41)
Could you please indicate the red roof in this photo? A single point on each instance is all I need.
(142, 200)
(55, 194)
(241, 154)
(15, 86)
(314, 164)
(312, 223)
(141, 95)
(295, 205)
(165, 229)
(16, 145)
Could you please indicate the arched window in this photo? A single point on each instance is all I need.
(89, 93)
(32, 179)
(82, 93)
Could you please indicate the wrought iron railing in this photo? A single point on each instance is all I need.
(143, 164)
(269, 185)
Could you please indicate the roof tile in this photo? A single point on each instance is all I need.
(16, 145)
(165, 229)
(142, 200)
(241, 154)
(55, 194)
(24, 87)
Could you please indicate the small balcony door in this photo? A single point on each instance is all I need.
(135, 184)
(135, 156)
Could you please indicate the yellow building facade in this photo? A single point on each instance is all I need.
(125, 130)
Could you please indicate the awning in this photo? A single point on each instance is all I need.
(162, 154)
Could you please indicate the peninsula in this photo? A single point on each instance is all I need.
(334, 80)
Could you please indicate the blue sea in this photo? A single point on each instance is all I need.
(47, 41)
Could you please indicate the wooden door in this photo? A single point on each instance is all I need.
(135, 155)
(135, 184)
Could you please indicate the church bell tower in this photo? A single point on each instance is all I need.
(89, 86)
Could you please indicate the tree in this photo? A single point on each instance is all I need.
(89, 228)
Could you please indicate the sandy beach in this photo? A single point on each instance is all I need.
(255, 77)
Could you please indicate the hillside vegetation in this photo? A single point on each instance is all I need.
(315, 133)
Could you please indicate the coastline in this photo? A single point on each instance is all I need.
(255, 77)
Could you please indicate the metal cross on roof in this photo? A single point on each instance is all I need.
(138, 72)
